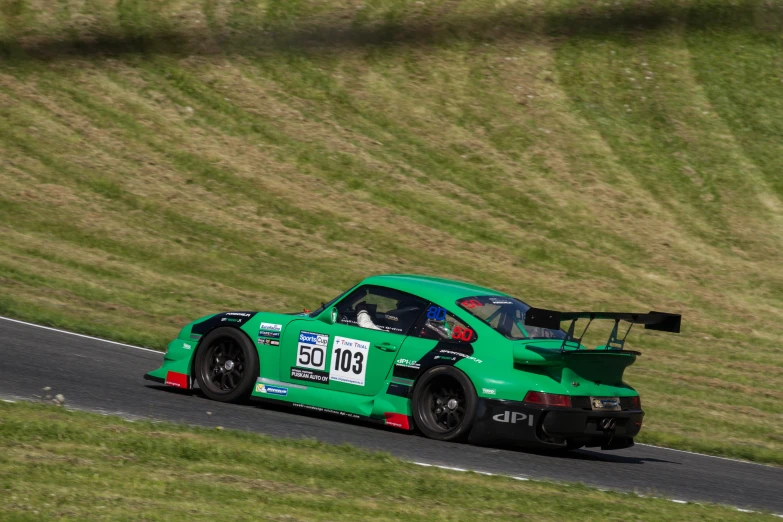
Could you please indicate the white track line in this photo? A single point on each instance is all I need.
(80, 335)
(675, 500)
(705, 455)
(132, 418)
(160, 352)
(450, 468)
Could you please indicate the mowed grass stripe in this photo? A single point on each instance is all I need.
(72, 465)
(161, 162)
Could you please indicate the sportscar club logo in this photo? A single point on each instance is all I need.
(271, 327)
(313, 338)
(514, 417)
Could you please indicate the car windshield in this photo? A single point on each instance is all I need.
(326, 305)
(507, 316)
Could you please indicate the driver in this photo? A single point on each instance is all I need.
(363, 318)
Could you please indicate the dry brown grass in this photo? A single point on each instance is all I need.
(172, 160)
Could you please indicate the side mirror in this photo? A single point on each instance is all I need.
(329, 317)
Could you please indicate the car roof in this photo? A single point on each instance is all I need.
(436, 289)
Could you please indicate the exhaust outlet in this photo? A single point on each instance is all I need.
(607, 424)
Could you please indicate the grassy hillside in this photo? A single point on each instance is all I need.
(60, 465)
(163, 160)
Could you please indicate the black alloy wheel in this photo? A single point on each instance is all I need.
(226, 365)
(444, 403)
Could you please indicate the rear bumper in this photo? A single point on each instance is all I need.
(515, 422)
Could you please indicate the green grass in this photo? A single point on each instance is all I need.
(70, 465)
(163, 160)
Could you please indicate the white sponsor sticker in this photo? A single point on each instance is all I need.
(271, 327)
(487, 391)
(186, 346)
(349, 361)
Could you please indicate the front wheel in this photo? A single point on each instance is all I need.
(444, 403)
(226, 365)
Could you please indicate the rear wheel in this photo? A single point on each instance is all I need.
(226, 365)
(444, 403)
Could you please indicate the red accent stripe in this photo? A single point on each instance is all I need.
(398, 420)
(179, 380)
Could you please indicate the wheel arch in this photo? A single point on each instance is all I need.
(200, 344)
(451, 368)
(441, 365)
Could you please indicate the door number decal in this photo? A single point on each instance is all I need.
(349, 361)
(311, 352)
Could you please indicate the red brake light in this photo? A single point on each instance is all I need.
(548, 399)
(637, 402)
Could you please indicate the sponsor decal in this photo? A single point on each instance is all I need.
(186, 346)
(513, 417)
(271, 342)
(499, 301)
(239, 314)
(408, 363)
(310, 375)
(488, 391)
(462, 355)
(327, 410)
(398, 420)
(231, 320)
(314, 338)
(349, 360)
(178, 380)
(271, 390)
(391, 318)
(271, 335)
(271, 327)
(391, 329)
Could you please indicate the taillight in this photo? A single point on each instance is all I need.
(548, 399)
(637, 402)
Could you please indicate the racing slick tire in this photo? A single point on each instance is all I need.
(226, 365)
(444, 404)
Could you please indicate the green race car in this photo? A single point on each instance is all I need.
(453, 360)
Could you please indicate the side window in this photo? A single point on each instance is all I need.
(379, 308)
(439, 324)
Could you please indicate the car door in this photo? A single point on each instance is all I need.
(355, 354)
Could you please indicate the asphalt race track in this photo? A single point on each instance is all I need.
(107, 377)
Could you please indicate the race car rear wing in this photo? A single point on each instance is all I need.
(551, 319)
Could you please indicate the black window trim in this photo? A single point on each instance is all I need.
(350, 292)
(457, 302)
(460, 319)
